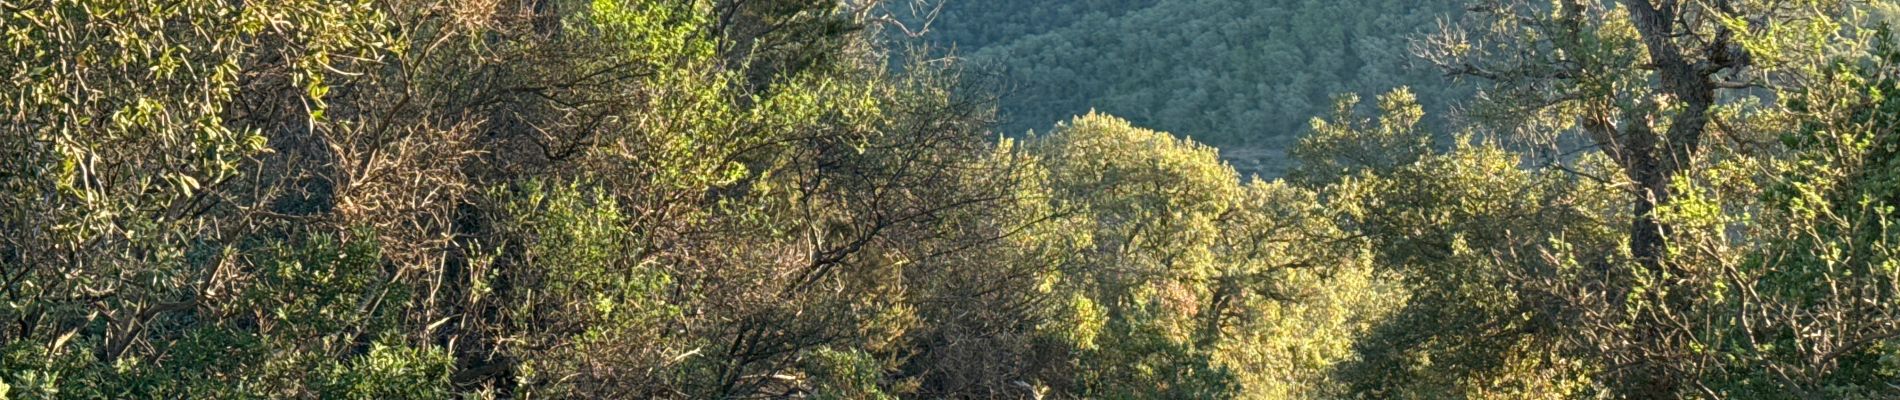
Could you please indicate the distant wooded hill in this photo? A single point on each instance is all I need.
(1243, 75)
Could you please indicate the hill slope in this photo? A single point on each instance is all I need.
(1237, 74)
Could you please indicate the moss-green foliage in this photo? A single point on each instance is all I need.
(424, 199)
(1345, 145)
(389, 372)
(1471, 325)
(1147, 204)
(1236, 74)
(957, 23)
(1835, 263)
(844, 375)
(577, 297)
(293, 331)
(1184, 281)
(1142, 360)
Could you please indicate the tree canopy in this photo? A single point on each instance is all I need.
(1243, 75)
(733, 199)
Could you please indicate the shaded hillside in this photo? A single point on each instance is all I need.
(1230, 73)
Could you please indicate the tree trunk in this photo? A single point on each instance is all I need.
(1653, 160)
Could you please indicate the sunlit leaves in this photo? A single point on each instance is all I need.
(1176, 255)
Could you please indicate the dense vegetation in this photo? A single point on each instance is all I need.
(1646, 199)
(1242, 75)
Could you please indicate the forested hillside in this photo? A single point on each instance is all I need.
(751, 199)
(1242, 75)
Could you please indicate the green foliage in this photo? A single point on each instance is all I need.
(1836, 266)
(576, 297)
(746, 199)
(1242, 75)
(288, 333)
(1473, 324)
(1146, 361)
(390, 371)
(844, 375)
(1154, 199)
(1186, 283)
(1347, 146)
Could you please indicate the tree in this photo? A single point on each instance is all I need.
(1186, 282)
(436, 199)
(1644, 82)
(1261, 68)
(1824, 256)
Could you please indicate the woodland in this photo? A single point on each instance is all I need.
(967, 199)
